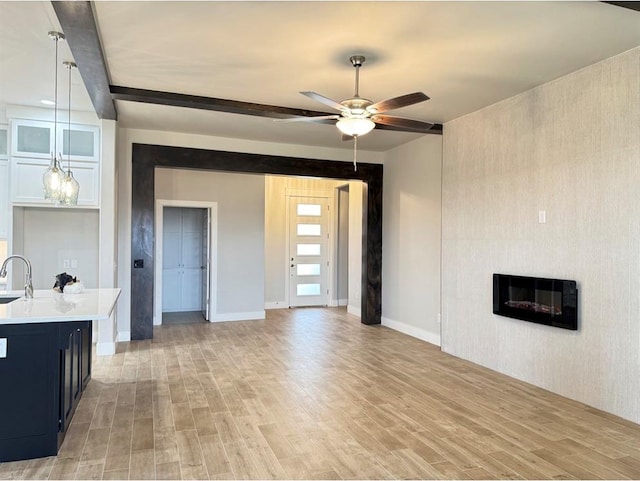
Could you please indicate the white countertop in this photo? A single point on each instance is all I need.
(50, 306)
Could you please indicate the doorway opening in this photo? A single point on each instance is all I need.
(185, 249)
(342, 246)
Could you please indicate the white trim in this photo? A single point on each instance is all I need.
(338, 302)
(276, 305)
(239, 316)
(124, 336)
(105, 348)
(356, 311)
(412, 331)
(212, 209)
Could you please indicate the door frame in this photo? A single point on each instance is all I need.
(331, 255)
(146, 158)
(212, 211)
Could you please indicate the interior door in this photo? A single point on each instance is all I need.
(191, 287)
(171, 258)
(205, 267)
(308, 251)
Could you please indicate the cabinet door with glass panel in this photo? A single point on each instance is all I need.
(82, 141)
(32, 138)
(35, 139)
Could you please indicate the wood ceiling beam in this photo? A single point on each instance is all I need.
(630, 5)
(130, 94)
(79, 27)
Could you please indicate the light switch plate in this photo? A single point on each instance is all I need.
(3, 348)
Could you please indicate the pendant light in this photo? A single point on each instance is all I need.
(70, 187)
(54, 175)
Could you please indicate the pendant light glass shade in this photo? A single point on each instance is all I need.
(70, 187)
(54, 175)
(52, 179)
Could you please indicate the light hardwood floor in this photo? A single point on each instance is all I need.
(312, 393)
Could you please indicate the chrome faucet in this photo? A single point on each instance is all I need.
(28, 284)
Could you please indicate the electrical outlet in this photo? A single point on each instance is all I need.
(66, 264)
(74, 263)
(3, 348)
(542, 216)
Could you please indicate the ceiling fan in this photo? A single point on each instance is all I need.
(358, 116)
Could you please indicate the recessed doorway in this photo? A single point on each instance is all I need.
(185, 274)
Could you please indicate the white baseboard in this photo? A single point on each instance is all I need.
(276, 305)
(105, 348)
(239, 316)
(356, 311)
(412, 331)
(124, 336)
(338, 302)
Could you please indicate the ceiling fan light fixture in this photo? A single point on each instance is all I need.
(354, 126)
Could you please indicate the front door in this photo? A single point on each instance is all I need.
(308, 251)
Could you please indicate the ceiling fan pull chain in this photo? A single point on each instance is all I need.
(355, 153)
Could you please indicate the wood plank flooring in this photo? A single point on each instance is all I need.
(314, 394)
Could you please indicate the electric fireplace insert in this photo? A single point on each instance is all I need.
(553, 302)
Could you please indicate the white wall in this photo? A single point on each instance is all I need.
(126, 137)
(342, 258)
(571, 148)
(240, 249)
(49, 236)
(411, 238)
(356, 219)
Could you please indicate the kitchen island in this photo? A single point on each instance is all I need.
(45, 365)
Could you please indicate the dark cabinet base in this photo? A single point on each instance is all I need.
(46, 369)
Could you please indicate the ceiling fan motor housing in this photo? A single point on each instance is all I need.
(356, 106)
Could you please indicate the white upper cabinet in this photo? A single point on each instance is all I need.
(35, 139)
(4, 199)
(31, 145)
(4, 142)
(27, 187)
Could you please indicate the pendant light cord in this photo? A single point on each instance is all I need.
(55, 98)
(69, 125)
(355, 153)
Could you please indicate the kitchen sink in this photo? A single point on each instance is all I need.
(7, 300)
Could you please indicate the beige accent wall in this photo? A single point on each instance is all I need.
(572, 149)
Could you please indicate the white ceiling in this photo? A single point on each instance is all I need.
(464, 55)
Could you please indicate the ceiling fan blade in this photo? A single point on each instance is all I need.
(318, 119)
(407, 124)
(346, 137)
(324, 100)
(397, 102)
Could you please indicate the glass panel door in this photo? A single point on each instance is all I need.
(308, 254)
